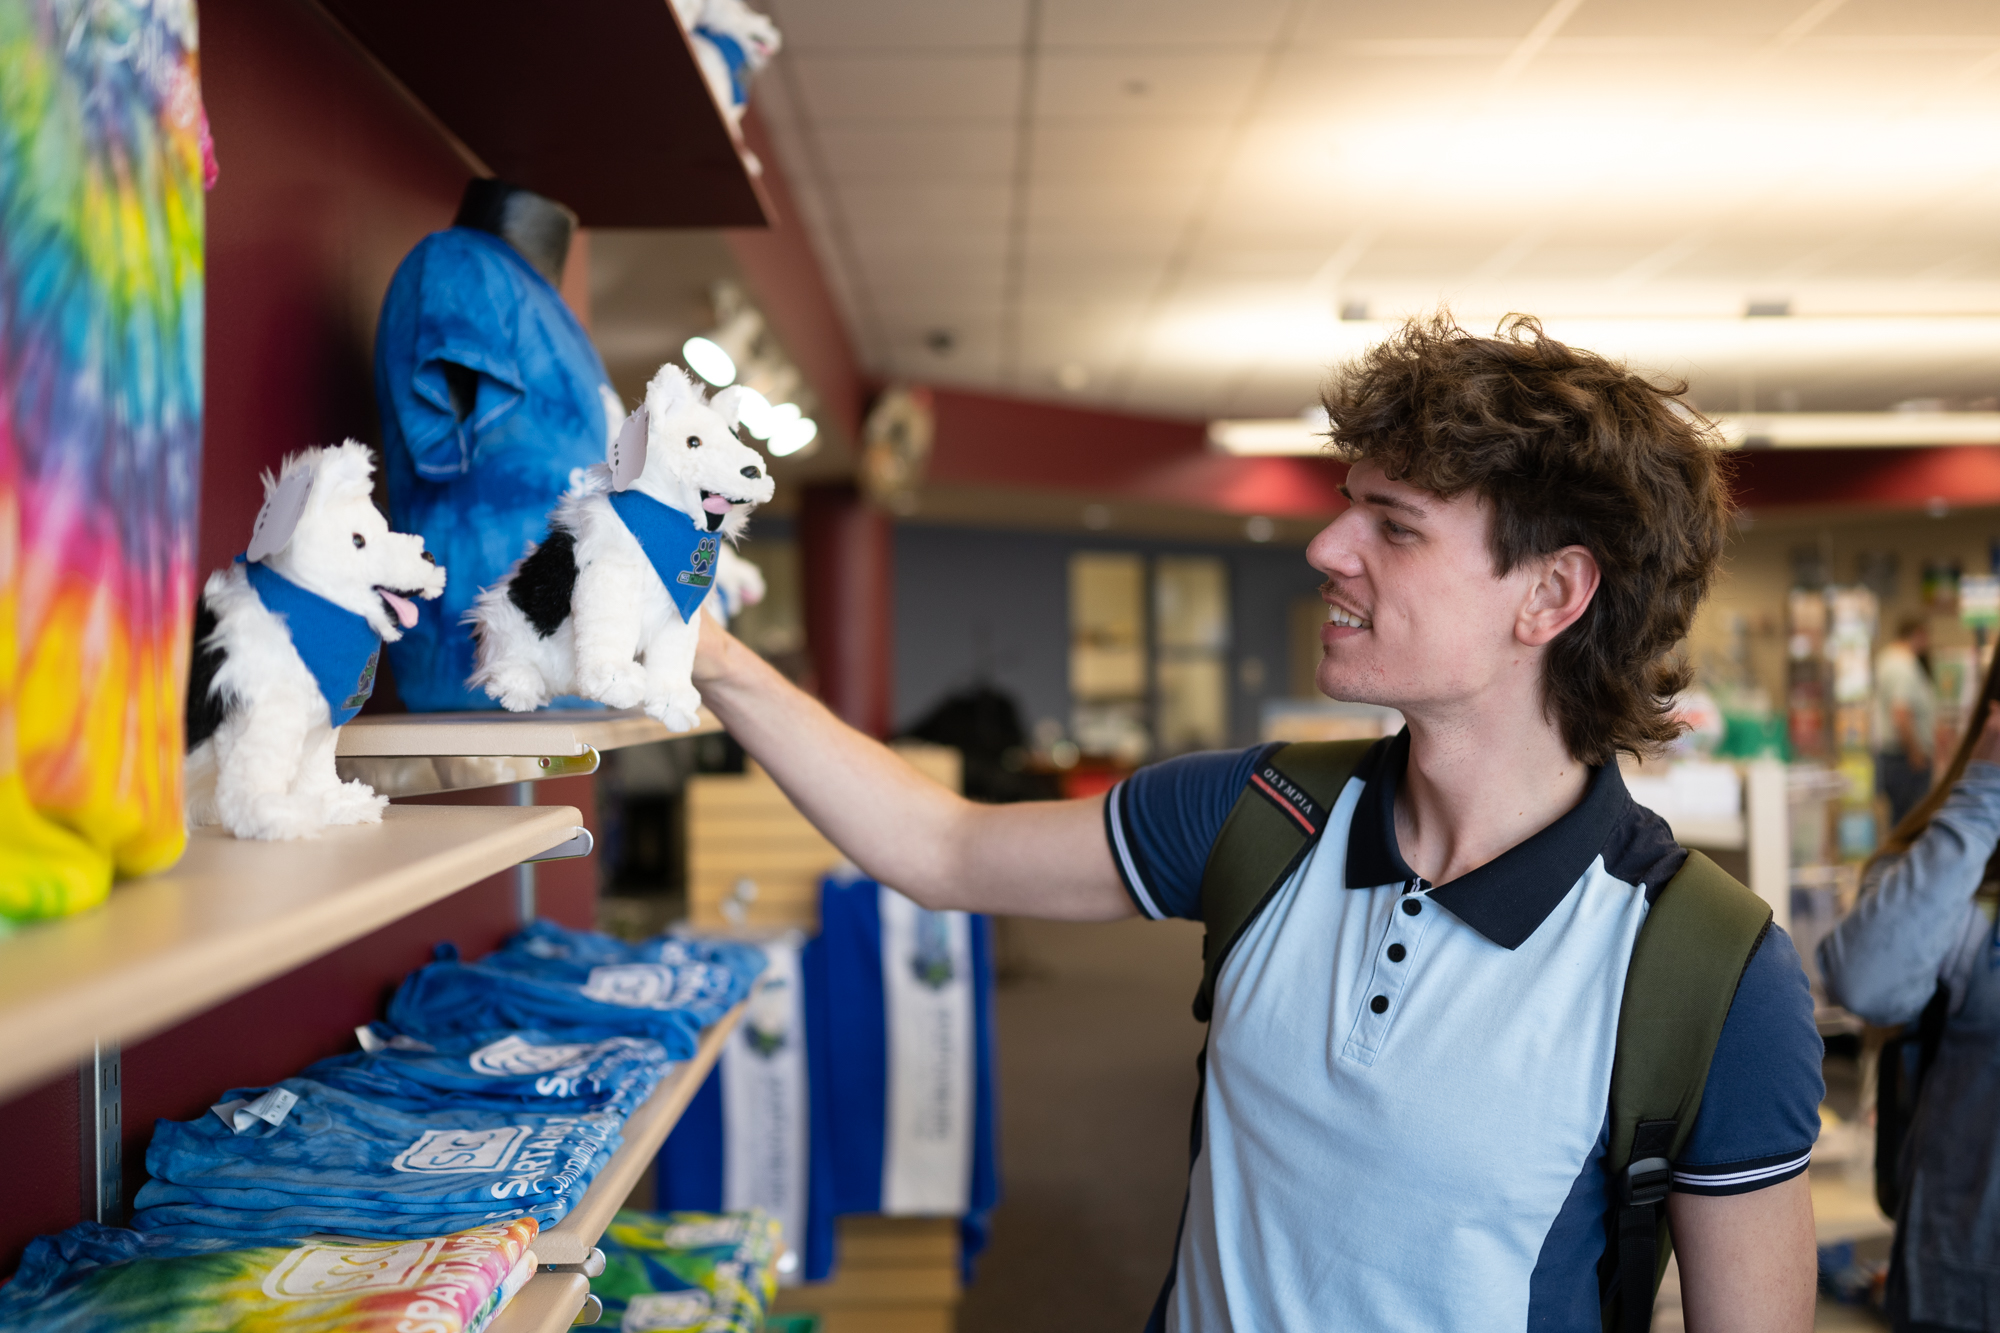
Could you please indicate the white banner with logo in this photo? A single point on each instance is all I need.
(927, 992)
(766, 1133)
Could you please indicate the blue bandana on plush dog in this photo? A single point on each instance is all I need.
(339, 647)
(681, 553)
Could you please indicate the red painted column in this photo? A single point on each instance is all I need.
(846, 561)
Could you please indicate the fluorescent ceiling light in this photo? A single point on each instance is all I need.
(788, 437)
(753, 412)
(708, 360)
(1306, 435)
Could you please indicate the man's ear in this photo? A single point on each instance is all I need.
(1566, 581)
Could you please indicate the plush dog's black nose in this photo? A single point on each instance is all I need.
(429, 559)
(753, 473)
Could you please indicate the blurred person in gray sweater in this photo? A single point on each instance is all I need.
(1925, 921)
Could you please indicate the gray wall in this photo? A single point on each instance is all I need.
(974, 604)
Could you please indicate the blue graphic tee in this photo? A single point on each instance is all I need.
(681, 552)
(581, 989)
(479, 490)
(502, 1069)
(341, 1164)
(339, 648)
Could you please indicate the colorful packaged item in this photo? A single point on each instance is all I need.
(689, 1272)
(302, 1158)
(91, 1278)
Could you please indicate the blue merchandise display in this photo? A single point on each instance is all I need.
(301, 1157)
(503, 1068)
(580, 987)
(757, 1134)
(478, 490)
(885, 962)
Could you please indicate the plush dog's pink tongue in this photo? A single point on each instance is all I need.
(716, 504)
(405, 609)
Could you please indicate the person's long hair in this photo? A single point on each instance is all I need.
(1921, 814)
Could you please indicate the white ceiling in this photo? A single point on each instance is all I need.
(1169, 203)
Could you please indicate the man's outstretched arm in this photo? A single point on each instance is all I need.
(1038, 858)
(1748, 1261)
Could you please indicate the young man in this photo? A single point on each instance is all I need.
(1405, 1096)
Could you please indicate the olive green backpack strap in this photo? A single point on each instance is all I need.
(1280, 813)
(1692, 949)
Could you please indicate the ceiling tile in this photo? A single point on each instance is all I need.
(878, 25)
(1142, 84)
(1129, 23)
(966, 87)
(900, 151)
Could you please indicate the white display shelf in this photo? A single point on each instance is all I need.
(234, 914)
(571, 1240)
(547, 1303)
(548, 732)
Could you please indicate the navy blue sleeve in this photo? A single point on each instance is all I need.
(1162, 820)
(1759, 1112)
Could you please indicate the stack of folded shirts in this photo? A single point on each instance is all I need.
(305, 1158)
(689, 1272)
(91, 1278)
(536, 1070)
(582, 985)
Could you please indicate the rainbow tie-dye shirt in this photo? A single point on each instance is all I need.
(103, 160)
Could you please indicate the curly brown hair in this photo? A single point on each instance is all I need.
(1570, 450)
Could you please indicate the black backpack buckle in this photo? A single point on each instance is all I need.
(1646, 1182)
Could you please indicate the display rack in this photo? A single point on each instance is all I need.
(236, 913)
(604, 108)
(558, 1298)
(417, 754)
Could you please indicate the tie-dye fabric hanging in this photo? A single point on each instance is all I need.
(103, 160)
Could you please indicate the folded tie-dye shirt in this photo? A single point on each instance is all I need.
(93, 1277)
(689, 1272)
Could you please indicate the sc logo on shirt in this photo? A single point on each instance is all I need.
(452, 1150)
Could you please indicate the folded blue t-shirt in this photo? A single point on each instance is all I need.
(334, 1159)
(581, 989)
(532, 1070)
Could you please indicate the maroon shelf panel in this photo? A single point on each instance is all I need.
(600, 106)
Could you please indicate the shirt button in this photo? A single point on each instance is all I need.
(1397, 953)
(1411, 906)
(1379, 1003)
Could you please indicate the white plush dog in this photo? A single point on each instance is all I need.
(285, 649)
(738, 584)
(605, 605)
(732, 42)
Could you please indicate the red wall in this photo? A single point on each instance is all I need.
(328, 177)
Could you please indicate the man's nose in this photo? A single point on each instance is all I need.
(1333, 551)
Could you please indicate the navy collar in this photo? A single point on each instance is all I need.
(1509, 897)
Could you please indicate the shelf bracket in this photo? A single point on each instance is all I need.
(580, 844)
(592, 1265)
(592, 1311)
(524, 873)
(100, 1133)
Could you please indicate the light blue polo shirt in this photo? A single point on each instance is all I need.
(1406, 1096)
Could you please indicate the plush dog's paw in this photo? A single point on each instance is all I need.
(517, 688)
(354, 803)
(679, 710)
(273, 817)
(619, 684)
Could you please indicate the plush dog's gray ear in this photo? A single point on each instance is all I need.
(279, 518)
(627, 455)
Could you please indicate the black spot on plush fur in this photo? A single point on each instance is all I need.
(205, 709)
(542, 587)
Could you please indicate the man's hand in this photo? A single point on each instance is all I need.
(1748, 1261)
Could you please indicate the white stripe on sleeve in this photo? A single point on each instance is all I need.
(1129, 866)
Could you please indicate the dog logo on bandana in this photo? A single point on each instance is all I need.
(701, 564)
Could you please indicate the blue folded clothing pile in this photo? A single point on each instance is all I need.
(497, 1089)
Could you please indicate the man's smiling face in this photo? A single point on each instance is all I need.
(1416, 616)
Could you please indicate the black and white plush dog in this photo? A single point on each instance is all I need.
(605, 605)
(286, 642)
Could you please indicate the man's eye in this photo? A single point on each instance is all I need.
(1394, 528)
